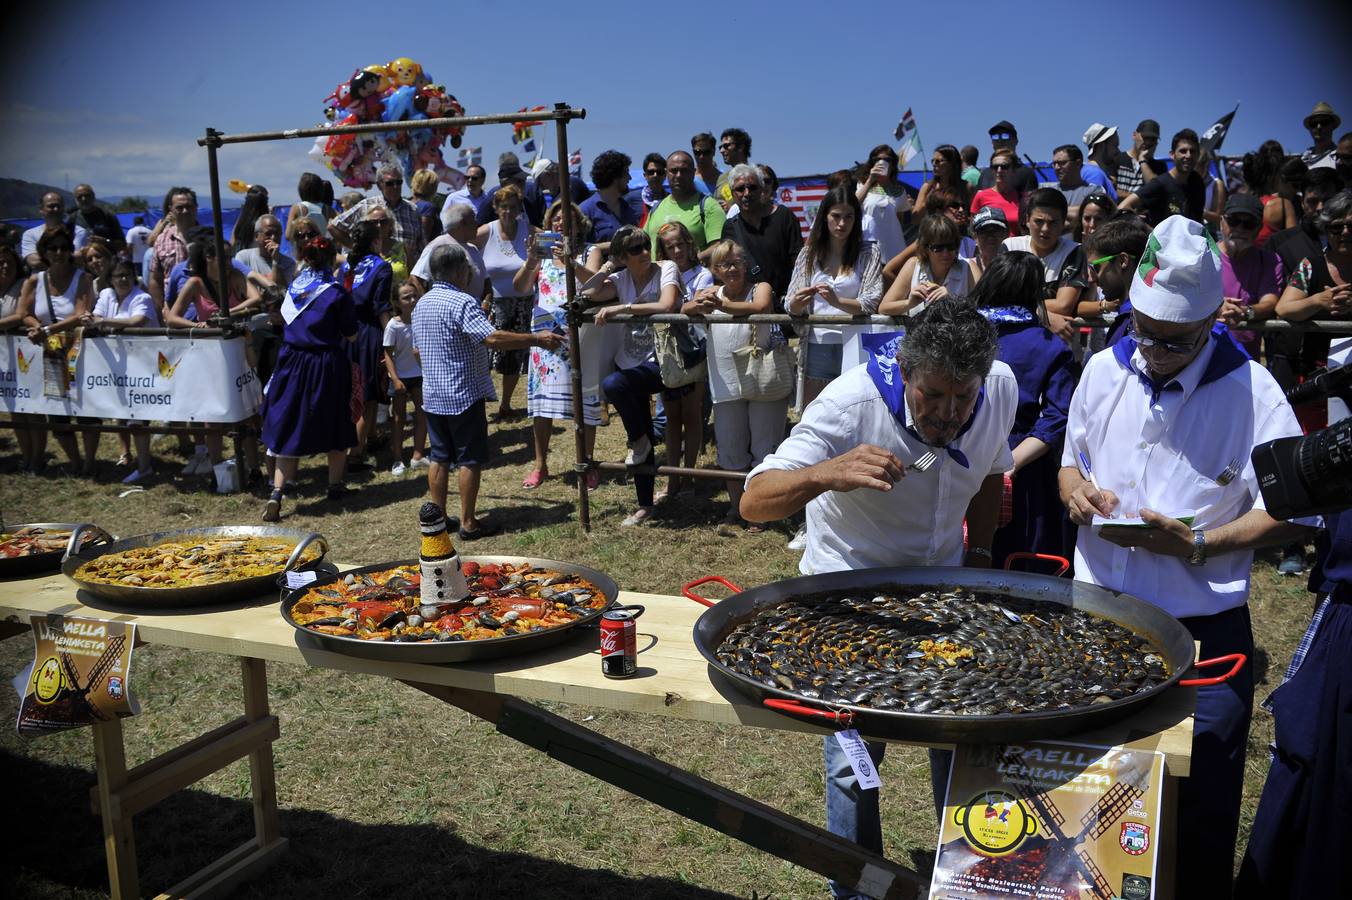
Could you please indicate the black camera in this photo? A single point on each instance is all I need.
(1310, 475)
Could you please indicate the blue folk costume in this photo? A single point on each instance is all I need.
(1047, 373)
(307, 402)
(370, 280)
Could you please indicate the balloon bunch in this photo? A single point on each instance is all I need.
(397, 92)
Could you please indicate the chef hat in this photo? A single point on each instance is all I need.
(1179, 276)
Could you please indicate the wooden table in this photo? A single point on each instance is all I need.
(672, 680)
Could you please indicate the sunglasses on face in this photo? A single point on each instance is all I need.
(745, 189)
(1242, 222)
(1000, 167)
(1001, 136)
(943, 248)
(706, 152)
(306, 235)
(1175, 347)
(655, 173)
(391, 183)
(1338, 227)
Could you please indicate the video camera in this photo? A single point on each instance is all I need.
(1309, 475)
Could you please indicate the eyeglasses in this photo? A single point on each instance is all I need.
(655, 173)
(956, 205)
(1337, 227)
(1000, 167)
(475, 177)
(731, 264)
(1176, 347)
(306, 235)
(1243, 222)
(943, 248)
(745, 188)
(708, 151)
(391, 182)
(1001, 136)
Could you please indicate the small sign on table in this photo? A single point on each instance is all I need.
(80, 674)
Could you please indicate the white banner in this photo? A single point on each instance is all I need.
(117, 377)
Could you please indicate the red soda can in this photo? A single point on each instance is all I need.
(619, 642)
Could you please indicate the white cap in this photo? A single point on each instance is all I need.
(1097, 134)
(1179, 276)
(541, 166)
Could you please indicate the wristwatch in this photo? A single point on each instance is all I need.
(1198, 556)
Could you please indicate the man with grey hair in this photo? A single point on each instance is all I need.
(407, 224)
(453, 337)
(768, 233)
(936, 390)
(268, 265)
(461, 227)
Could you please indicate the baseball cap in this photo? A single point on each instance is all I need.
(541, 166)
(1179, 276)
(509, 169)
(1246, 204)
(987, 216)
(1148, 128)
(1002, 126)
(1098, 133)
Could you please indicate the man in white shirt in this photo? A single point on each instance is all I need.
(138, 242)
(461, 227)
(53, 210)
(939, 388)
(1063, 261)
(1165, 422)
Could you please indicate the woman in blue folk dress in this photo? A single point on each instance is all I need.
(370, 279)
(1009, 294)
(307, 404)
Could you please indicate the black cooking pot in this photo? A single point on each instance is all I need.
(1173, 641)
(453, 651)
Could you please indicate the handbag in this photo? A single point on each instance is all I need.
(681, 358)
(763, 374)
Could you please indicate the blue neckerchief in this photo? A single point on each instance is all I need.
(891, 385)
(1225, 358)
(1007, 315)
(362, 270)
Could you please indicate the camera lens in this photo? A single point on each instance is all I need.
(1325, 460)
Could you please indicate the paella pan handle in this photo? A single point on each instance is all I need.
(1239, 659)
(689, 593)
(77, 538)
(1061, 561)
(842, 717)
(293, 562)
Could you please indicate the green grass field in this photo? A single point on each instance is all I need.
(385, 791)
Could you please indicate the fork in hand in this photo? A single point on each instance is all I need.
(924, 463)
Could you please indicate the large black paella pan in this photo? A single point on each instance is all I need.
(946, 654)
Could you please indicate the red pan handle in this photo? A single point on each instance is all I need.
(844, 718)
(1239, 659)
(688, 592)
(1046, 557)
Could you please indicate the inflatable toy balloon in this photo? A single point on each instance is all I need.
(404, 71)
(238, 186)
(383, 74)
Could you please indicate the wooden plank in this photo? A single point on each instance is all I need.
(710, 804)
(262, 777)
(185, 749)
(165, 780)
(677, 682)
(222, 877)
(119, 841)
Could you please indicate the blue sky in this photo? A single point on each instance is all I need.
(117, 94)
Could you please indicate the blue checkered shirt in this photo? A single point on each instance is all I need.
(449, 330)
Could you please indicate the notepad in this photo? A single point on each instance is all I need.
(1134, 521)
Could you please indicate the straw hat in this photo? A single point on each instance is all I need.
(1323, 111)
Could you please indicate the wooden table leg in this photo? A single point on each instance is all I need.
(119, 842)
(747, 820)
(262, 776)
(1168, 858)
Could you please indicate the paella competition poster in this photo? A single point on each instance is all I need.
(81, 674)
(1049, 820)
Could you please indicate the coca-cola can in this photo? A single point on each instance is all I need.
(619, 642)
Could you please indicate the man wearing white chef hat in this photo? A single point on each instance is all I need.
(1158, 442)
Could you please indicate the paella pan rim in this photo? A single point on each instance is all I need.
(38, 563)
(1166, 633)
(173, 598)
(453, 651)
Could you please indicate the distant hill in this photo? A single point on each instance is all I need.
(19, 199)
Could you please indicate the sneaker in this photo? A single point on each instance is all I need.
(420, 462)
(398, 469)
(637, 517)
(1291, 564)
(799, 539)
(272, 512)
(639, 450)
(136, 475)
(290, 490)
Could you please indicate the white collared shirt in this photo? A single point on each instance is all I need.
(1169, 453)
(919, 521)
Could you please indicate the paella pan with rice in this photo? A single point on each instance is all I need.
(37, 547)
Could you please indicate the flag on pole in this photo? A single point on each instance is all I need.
(1215, 135)
(528, 144)
(525, 128)
(908, 137)
(575, 163)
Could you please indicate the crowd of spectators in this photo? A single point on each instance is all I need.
(694, 237)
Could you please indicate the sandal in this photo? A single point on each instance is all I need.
(534, 479)
(638, 516)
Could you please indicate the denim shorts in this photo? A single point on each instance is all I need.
(823, 360)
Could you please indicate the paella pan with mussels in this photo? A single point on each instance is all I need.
(515, 604)
(945, 654)
(37, 547)
(197, 566)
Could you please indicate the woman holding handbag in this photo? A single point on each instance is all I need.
(681, 358)
(52, 303)
(640, 287)
(750, 371)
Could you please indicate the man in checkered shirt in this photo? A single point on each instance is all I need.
(453, 337)
(407, 225)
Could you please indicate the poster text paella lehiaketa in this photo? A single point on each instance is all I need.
(1049, 820)
(80, 674)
